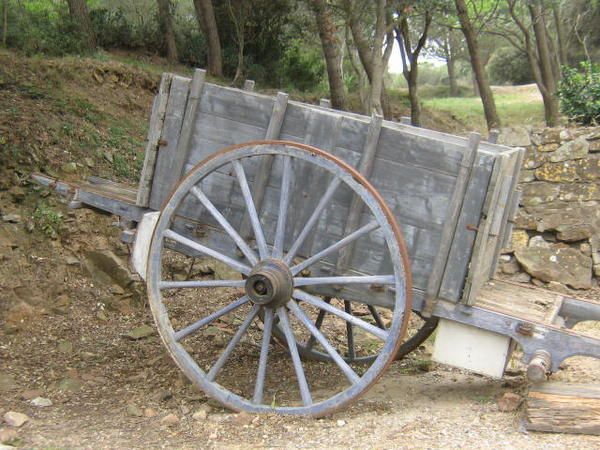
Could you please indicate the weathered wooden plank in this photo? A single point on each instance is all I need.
(450, 223)
(325, 103)
(505, 225)
(485, 244)
(164, 177)
(563, 408)
(461, 251)
(154, 130)
(264, 169)
(356, 208)
(184, 143)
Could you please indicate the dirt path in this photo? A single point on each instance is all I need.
(108, 391)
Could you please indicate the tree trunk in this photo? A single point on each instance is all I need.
(560, 35)
(332, 53)
(166, 22)
(239, 70)
(413, 95)
(487, 97)
(80, 15)
(208, 24)
(551, 111)
(451, 66)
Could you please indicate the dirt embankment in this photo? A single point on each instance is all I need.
(78, 340)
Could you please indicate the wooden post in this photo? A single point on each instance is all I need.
(249, 85)
(325, 103)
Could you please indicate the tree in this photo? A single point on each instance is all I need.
(166, 24)
(206, 20)
(79, 13)
(409, 53)
(537, 47)
(4, 21)
(239, 10)
(485, 92)
(332, 51)
(374, 51)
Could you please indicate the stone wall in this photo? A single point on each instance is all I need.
(556, 237)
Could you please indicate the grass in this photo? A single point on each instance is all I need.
(518, 107)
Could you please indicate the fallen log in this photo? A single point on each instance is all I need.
(564, 408)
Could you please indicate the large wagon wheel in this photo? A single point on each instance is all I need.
(271, 286)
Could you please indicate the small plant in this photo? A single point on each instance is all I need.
(47, 219)
(579, 93)
(122, 166)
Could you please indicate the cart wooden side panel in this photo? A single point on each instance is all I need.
(415, 170)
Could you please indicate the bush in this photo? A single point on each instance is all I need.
(111, 28)
(509, 66)
(579, 93)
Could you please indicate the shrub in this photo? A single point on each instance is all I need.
(509, 66)
(579, 93)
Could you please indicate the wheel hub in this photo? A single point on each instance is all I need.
(270, 283)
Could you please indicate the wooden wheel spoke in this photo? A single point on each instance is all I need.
(259, 387)
(315, 216)
(243, 268)
(335, 247)
(239, 241)
(318, 324)
(284, 200)
(376, 317)
(214, 370)
(179, 335)
(201, 284)
(251, 208)
(303, 318)
(293, 349)
(349, 332)
(367, 279)
(316, 301)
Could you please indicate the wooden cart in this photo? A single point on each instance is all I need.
(334, 228)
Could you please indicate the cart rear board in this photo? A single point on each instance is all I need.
(454, 199)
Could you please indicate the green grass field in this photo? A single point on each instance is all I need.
(516, 105)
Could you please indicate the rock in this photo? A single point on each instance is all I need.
(521, 277)
(242, 418)
(340, 423)
(134, 410)
(514, 137)
(41, 402)
(526, 176)
(140, 332)
(70, 167)
(72, 261)
(539, 242)
(557, 287)
(579, 192)
(550, 135)
(11, 218)
(594, 146)
(163, 395)
(576, 149)
(70, 385)
(7, 436)
(65, 347)
(149, 412)
(30, 394)
(200, 415)
(15, 419)
(539, 192)
(576, 232)
(597, 270)
(107, 268)
(533, 159)
(170, 420)
(519, 239)
(509, 402)
(589, 168)
(563, 172)
(510, 267)
(224, 272)
(89, 162)
(564, 265)
(109, 157)
(17, 193)
(7, 382)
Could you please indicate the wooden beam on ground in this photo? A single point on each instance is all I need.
(564, 408)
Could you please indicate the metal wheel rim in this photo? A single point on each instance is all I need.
(394, 243)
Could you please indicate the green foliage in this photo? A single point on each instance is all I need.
(111, 28)
(579, 93)
(509, 66)
(302, 67)
(47, 219)
(44, 27)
